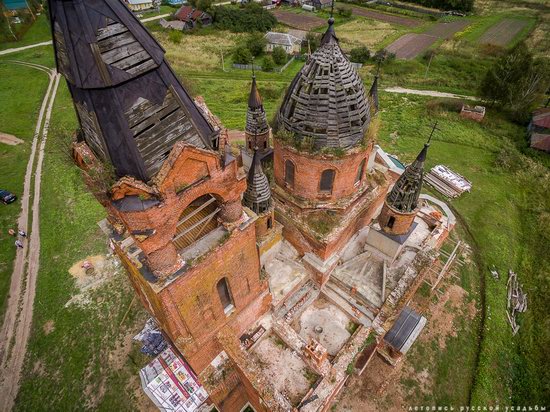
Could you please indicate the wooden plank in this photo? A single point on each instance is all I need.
(194, 212)
(110, 30)
(141, 67)
(116, 41)
(123, 52)
(132, 60)
(196, 225)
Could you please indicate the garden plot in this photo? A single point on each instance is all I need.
(298, 21)
(411, 45)
(446, 30)
(502, 33)
(387, 18)
(362, 32)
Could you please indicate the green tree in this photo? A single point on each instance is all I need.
(344, 11)
(256, 43)
(383, 56)
(249, 18)
(202, 5)
(314, 40)
(279, 55)
(516, 81)
(360, 54)
(242, 55)
(268, 64)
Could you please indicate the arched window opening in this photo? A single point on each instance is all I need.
(327, 180)
(289, 173)
(196, 221)
(269, 222)
(225, 295)
(391, 222)
(265, 144)
(360, 171)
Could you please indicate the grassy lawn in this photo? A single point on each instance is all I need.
(507, 230)
(80, 356)
(37, 33)
(18, 115)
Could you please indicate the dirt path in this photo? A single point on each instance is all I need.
(16, 327)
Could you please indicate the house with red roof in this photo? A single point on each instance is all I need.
(539, 129)
(192, 17)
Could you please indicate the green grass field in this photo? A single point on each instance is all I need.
(82, 362)
(21, 92)
(37, 33)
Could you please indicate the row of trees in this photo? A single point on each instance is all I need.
(251, 17)
(459, 5)
(516, 82)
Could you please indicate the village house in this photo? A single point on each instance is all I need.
(539, 130)
(139, 5)
(320, 4)
(291, 44)
(192, 17)
(245, 276)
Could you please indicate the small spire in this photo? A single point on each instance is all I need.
(330, 35)
(257, 196)
(254, 99)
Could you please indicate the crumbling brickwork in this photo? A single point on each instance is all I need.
(394, 222)
(308, 169)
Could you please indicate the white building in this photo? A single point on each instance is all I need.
(291, 44)
(139, 5)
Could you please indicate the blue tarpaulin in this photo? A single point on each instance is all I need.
(15, 4)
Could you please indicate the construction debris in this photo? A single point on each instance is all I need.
(517, 300)
(447, 182)
(494, 273)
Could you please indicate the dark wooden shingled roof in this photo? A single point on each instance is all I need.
(256, 119)
(326, 102)
(406, 191)
(257, 196)
(131, 107)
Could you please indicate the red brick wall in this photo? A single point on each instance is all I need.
(309, 167)
(195, 297)
(223, 183)
(261, 223)
(402, 223)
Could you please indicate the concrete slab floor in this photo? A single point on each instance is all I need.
(334, 323)
(285, 272)
(284, 368)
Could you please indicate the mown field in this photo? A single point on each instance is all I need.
(18, 115)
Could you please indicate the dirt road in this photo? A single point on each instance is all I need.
(17, 322)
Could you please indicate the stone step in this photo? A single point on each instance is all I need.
(362, 299)
(365, 316)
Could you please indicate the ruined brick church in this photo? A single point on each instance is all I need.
(269, 290)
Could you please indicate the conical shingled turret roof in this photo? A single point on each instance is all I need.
(131, 107)
(326, 102)
(257, 196)
(256, 120)
(406, 191)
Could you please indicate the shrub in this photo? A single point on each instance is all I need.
(360, 54)
(460, 5)
(279, 55)
(256, 43)
(314, 40)
(175, 36)
(268, 64)
(249, 18)
(242, 55)
(344, 11)
(383, 56)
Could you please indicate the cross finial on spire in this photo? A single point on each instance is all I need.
(378, 68)
(331, 12)
(434, 128)
(253, 72)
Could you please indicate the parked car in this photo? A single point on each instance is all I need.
(7, 197)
